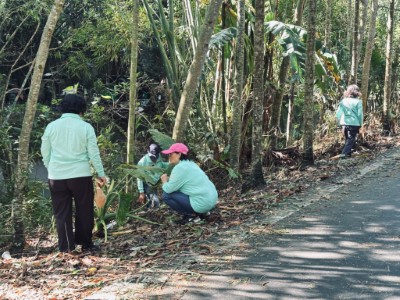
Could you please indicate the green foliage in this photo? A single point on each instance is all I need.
(37, 211)
(118, 203)
(124, 208)
(222, 37)
(111, 150)
(37, 206)
(291, 38)
(105, 214)
(145, 173)
(7, 156)
(96, 41)
(231, 172)
(161, 139)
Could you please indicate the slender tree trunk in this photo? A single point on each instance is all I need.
(30, 111)
(194, 73)
(363, 25)
(368, 54)
(223, 81)
(237, 97)
(217, 94)
(308, 130)
(395, 77)
(328, 24)
(350, 23)
(290, 114)
(191, 25)
(258, 90)
(130, 153)
(388, 70)
(275, 120)
(354, 53)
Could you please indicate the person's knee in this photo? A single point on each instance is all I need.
(166, 197)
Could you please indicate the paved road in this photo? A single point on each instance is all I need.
(345, 246)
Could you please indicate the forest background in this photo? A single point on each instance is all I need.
(250, 86)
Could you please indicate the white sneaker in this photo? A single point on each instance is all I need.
(153, 201)
(195, 220)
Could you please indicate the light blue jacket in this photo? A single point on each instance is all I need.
(350, 112)
(188, 178)
(147, 162)
(69, 145)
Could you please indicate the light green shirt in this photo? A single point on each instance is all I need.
(147, 162)
(68, 146)
(350, 112)
(188, 178)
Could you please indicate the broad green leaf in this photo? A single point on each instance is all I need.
(222, 37)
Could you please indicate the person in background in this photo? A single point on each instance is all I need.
(152, 158)
(69, 148)
(350, 117)
(188, 190)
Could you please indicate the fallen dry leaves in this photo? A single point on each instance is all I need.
(137, 251)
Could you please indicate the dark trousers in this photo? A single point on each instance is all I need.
(350, 135)
(63, 193)
(179, 202)
(149, 189)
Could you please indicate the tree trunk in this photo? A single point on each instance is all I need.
(194, 73)
(368, 54)
(130, 157)
(258, 90)
(349, 34)
(363, 25)
(30, 110)
(274, 127)
(388, 70)
(328, 24)
(237, 97)
(290, 114)
(223, 81)
(354, 53)
(308, 130)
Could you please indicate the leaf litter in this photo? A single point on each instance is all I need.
(140, 259)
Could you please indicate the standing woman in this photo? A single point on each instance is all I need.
(350, 116)
(69, 148)
(188, 190)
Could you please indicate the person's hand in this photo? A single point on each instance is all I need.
(142, 198)
(362, 131)
(164, 178)
(101, 181)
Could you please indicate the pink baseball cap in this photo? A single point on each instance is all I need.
(177, 147)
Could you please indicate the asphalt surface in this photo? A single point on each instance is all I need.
(344, 244)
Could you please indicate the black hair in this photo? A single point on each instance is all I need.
(154, 147)
(184, 156)
(73, 103)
